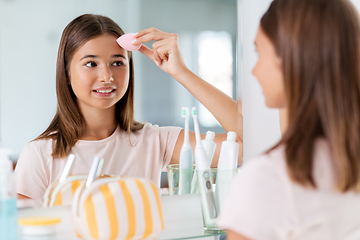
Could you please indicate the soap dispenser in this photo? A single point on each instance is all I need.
(8, 210)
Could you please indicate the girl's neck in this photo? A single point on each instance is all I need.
(100, 124)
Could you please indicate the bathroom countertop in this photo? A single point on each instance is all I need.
(181, 222)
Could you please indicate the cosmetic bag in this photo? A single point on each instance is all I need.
(117, 208)
(62, 190)
(62, 193)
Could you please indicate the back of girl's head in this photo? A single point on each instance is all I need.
(68, 124)
(318, 42)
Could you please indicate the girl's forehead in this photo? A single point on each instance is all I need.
(102, 40)
(104, 44)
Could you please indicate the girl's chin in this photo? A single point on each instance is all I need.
(274, 105)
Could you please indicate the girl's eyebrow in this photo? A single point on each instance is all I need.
(118, 55)
(94, 56)
(88, 56)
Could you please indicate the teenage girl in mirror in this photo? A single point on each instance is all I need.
(95, 110)
(308, 185)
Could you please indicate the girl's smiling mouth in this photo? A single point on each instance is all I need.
(104, 92)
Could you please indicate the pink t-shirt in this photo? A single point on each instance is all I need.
(264, 203)
(142, 154)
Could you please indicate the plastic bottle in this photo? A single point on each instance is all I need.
(209, 145)
(227, 167)
(8, 210)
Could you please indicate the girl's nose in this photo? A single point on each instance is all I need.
(107, 79)
(106, 75)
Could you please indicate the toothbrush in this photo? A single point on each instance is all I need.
(199, 153)
(186, 158)
(204, 178)
(68, 168)
(201, 159)
(95, 170)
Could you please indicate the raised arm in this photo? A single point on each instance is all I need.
(166, 54)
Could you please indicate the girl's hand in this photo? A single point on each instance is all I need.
(165, 53)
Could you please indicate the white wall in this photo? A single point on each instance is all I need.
(356, 4)
(261, 124)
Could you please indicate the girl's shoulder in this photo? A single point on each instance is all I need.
(274, 163)
(154, 132)
(41, 147)
(266, 170)
(154, 129)
(273, 160)
(41, 143)
(36, 154)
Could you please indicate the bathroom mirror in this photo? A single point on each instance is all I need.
(30, 32)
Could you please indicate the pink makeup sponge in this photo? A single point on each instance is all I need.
(125, 42)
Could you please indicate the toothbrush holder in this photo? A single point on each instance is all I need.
(174, 175)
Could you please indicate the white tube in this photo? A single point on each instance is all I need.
(209, 145)
(226, 169)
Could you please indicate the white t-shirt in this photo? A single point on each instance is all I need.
(265, 204)
(142, 154)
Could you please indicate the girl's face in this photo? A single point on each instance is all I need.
(99, 73)
(269, 73)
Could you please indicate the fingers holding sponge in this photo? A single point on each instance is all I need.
(125, 42)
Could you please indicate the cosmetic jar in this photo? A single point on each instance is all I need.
(38, 228)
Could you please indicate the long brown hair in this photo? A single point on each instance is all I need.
(318, 42)
(68, 125)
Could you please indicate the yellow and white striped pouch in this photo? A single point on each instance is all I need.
(118, 208)
(62, 194)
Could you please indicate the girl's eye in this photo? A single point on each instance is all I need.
(91, 64)
(118, 63)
